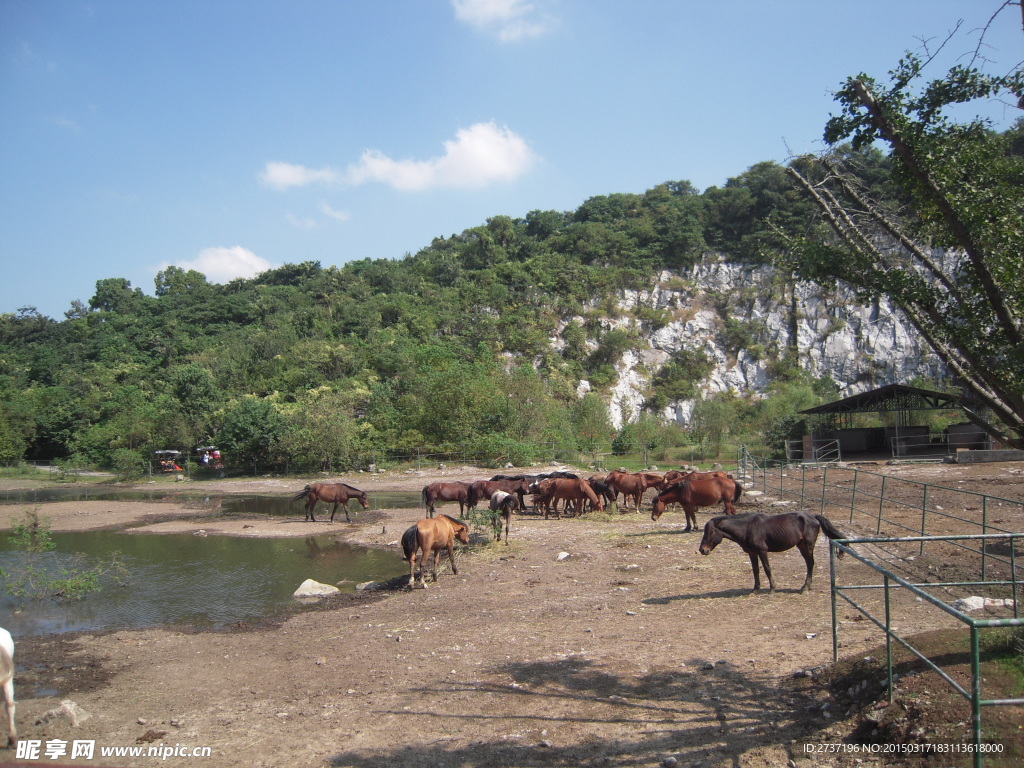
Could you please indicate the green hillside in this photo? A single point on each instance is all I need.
(309, 368)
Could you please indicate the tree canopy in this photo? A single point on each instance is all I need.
(946, 245)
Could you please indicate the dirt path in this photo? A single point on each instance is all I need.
(633, 650)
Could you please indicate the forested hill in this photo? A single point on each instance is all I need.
(450, 346)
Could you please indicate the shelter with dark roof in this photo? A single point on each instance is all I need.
(833, 436)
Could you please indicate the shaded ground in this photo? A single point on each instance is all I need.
(631, 651)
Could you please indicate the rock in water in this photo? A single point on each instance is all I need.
(310, 588)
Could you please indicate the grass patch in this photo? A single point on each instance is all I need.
(926, 710)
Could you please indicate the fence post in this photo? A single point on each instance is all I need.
(888, 636)
(824, 486)
(835, 618)
(803, 484)
(853, 496)
(924, 513)
(984, 542)
(976, 694)
(881, 502)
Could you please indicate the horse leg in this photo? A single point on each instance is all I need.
(451, 557)
(691, 515)
(310, 507)
(437, 558)
(508, 520)
(767, 570)
(757, 572)
(412, 570)
(347, 518)
(807, 550)
(9, 705)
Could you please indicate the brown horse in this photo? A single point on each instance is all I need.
(759, 534)
(631, 486)
(573, 492)
(698, 490)
(431, 535)
(654, 480)
(337, 494)
(502, 505)
(455, 491)
(481, 490)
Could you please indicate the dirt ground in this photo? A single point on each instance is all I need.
(632, 650)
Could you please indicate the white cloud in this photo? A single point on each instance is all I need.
(479, 155)
(222, 265)
(302, 223)
(285, 175)
(510, 20)
(334, 213)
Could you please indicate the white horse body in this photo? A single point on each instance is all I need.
(7, 680)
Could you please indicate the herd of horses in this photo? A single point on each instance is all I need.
(757, 534)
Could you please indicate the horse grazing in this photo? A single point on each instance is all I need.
(759, 534)
(654, 480)
(483, 489)
(573, 492)
(631, 486)
(455, 491)
(502, 504)
(7, 681)
(601, 488)
(337, 494)
(698, 489)
(431, 535)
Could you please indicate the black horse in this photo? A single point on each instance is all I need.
(759, 534)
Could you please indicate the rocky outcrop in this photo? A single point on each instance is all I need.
(861, 346)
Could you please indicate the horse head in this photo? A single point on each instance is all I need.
(364, 500)
(657, 508)
(712, 538)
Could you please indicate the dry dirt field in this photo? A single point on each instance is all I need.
(634, 650)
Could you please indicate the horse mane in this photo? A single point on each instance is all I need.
(452, 520)
(352, 488)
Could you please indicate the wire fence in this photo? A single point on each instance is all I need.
(926, 540)
(890, 618)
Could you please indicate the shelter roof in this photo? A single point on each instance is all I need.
(892, 397)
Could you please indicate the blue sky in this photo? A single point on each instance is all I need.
(233, 136)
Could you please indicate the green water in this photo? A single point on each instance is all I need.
(212, 581)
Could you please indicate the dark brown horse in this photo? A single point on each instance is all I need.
(502, 505)
(337, 494)
(759, 534)
(430, 536)
(631, 486)
(698, 489)
(481, 490)
(455, 491)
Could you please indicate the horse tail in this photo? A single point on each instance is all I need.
(409, 543)
(426, 502)
(738, 492)
(830, 530)
(303, 493)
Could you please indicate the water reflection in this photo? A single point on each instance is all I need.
(210, 581)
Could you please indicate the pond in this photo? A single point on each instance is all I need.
(210, 582)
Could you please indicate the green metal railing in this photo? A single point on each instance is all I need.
(891, 582)
(879, 502)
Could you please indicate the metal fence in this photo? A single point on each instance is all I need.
(962, 539)
(883, 504)
(888, 622)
